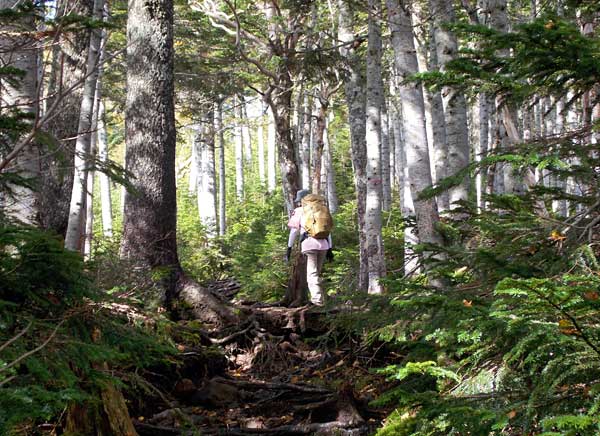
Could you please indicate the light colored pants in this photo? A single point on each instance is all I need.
(314, 264)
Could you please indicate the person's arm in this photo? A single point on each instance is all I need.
(329, 255)
(291, 239)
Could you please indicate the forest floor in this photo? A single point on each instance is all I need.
(283, 371)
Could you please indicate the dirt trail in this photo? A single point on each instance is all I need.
(281, 376)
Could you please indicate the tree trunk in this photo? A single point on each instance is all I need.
(246, 137)
(89, 191)
(305, 144)
(260, 136)
(150, 219)
(105, 196)
(271, 152)
(354, 87)
(194, 161)
(239, 151)
(439, 146)
(68, 69)
(481, 146)
(222, 179)
(82, 161)
(321, 125)
(281, 104)
(434, 106)
(386, 179)
(207, 198)
(19, 49)
(413, 116)
(332, 198)
(455, 106)
(375, 101)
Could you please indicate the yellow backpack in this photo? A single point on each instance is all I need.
(316, 218)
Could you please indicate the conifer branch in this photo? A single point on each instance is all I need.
(35, 350)
(570, 317)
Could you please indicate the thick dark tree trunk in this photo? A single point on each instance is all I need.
(279, 98)
(149, 224)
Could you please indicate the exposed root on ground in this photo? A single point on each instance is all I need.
(279, 377)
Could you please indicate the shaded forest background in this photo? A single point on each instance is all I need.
(151, 150)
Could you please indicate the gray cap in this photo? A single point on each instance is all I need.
(301, 194)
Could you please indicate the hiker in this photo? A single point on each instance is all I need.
(317, 248)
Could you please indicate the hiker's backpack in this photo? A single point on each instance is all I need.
(316, 218)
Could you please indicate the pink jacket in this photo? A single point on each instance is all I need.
(309, 243)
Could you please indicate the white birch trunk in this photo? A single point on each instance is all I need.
(20, 50)
(271, 152)
(559, 206)
(246, 136)
(455, 106)
(392, 150)
(222, 180)
(193, 176)
(375, 101)
(207, 199)
(413, 115)
(105, 196)
(386, 181)
(73, 238)
(354, 87)
(260, 139)
(239, 152)
(332, 198)
(481, 146)
(396, 126)
(89, 192)
(434, 106)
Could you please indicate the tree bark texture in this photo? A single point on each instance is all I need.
(150, 222)
(271, 152)
(413, 116)
(105, 195)
(455, 106)
(354, 88)
(320, 126)
(332, 198)
(246, 137)
(260, 137)
(375, 101)
(150, 218)
(18, 49)
(82, 160)
(222, 179)
(68, 69)
(306, 128)
(206, 192)
(239, 151)
(386, 178)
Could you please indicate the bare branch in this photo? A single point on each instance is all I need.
(14, 338)
(35, 350)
